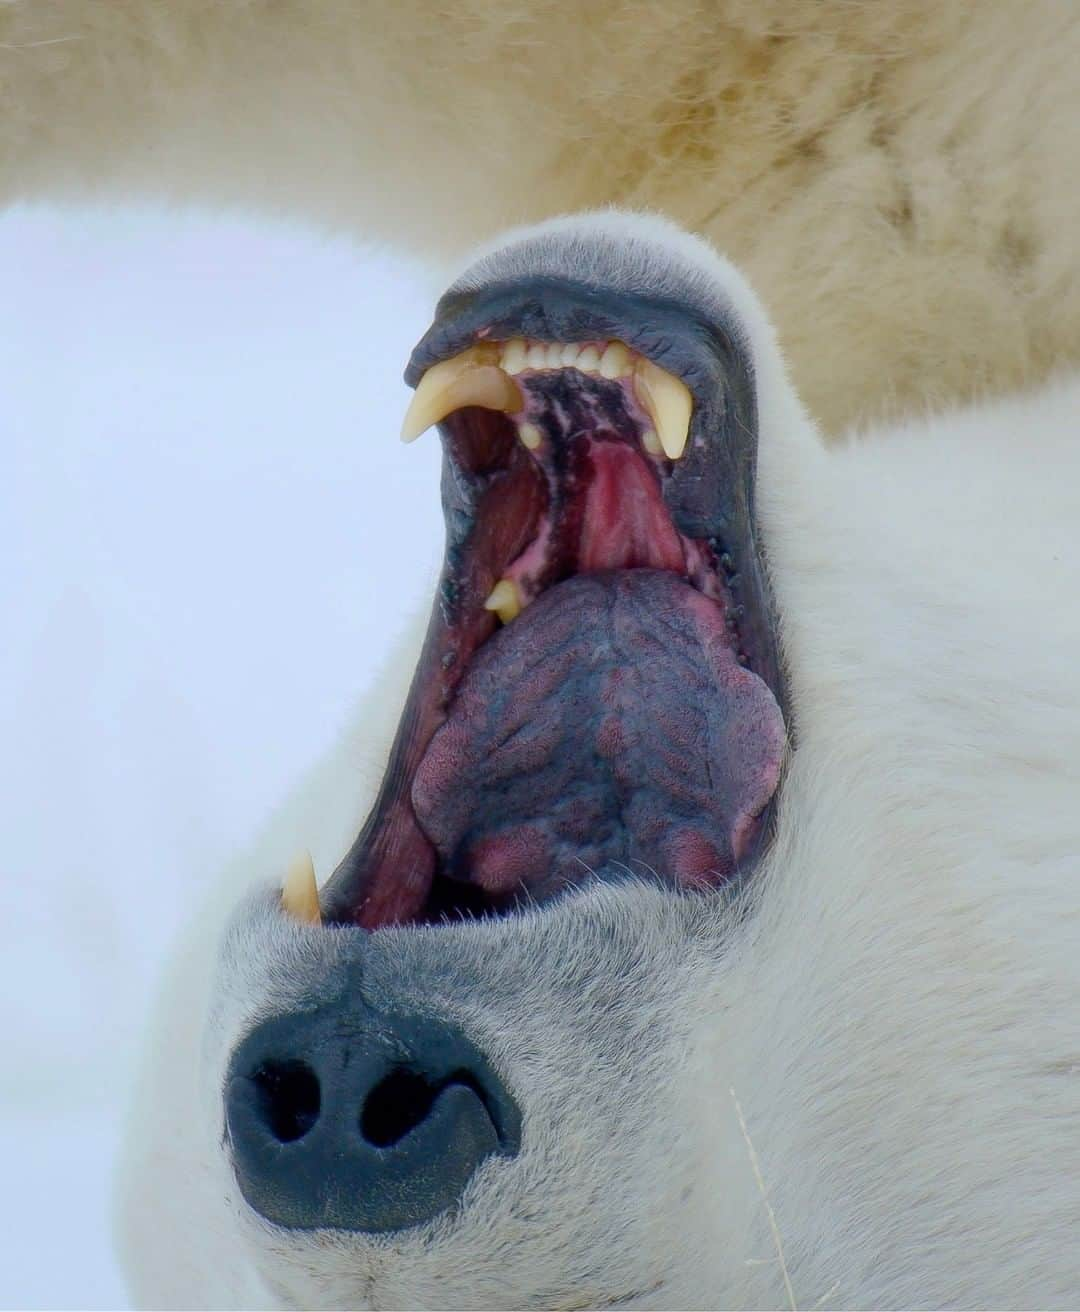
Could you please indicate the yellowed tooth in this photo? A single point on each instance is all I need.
(615, 361)
(471, 378)
(530, 435)
(513, 357)
(300, 893)
(669, 405)
(505, 600)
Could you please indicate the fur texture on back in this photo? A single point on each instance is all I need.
(895, 178)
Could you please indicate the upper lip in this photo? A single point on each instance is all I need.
(557, 310)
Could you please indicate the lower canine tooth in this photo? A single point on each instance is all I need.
(471, 378)
(505, 600)
(651, 443)
(669, 405)
(299, 893)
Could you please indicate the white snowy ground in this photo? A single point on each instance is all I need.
(207, 529)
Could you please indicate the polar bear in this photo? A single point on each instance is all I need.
(712, 939)
(894, 178)
(881, 1106)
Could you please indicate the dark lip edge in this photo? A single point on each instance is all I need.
(454, 337)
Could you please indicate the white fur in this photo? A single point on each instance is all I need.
(898, 1018)
(895, 176)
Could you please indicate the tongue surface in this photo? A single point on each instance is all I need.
(610, 725)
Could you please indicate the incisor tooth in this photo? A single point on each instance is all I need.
(505, 600)
(588, 360)
(669, 405)
(471, 378)
(554, 355)
(300, 893)
(536, 356)
(569, 354)
(615, 361)
(513, 360)
(530, 435)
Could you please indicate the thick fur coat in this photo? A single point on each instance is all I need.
(895, 179)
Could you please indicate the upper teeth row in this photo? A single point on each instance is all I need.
(483, 375)
(612, 361)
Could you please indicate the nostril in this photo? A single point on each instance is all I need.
(289, 1098)
(396, 1105)
(403, 1100)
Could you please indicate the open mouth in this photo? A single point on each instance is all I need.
(599, 693)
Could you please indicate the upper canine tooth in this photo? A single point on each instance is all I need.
(588, 360)
(669, 405)
(300, 893)
(471, 378)
(615, 361)
(505, 600)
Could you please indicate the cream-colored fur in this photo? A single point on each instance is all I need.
(898, 1019)
(897, 178)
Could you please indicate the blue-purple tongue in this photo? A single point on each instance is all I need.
(609, 727)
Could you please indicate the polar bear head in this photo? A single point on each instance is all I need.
(494, 1061)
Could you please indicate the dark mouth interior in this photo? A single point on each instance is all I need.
(588, 499)
(618, 721)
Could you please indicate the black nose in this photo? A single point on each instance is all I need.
(348, 1118)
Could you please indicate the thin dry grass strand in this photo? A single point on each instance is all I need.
(768, 1206)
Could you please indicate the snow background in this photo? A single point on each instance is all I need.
(208, 531)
